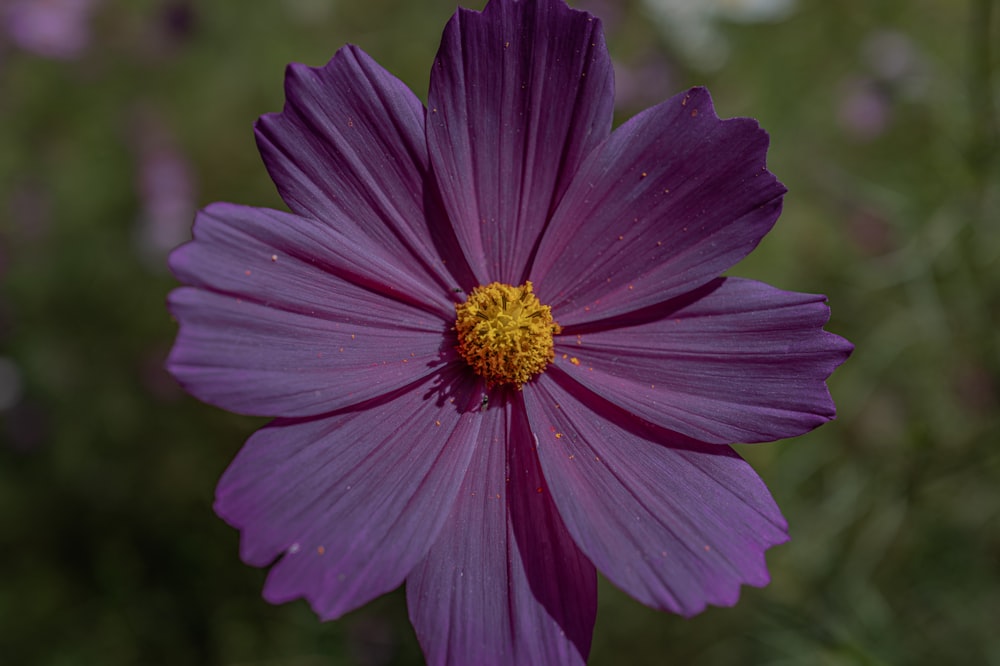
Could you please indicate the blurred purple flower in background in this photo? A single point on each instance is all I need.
(893, 71)
(56, 29)
(497, 345)
(864, 109)
(166, 188)
(642, 82)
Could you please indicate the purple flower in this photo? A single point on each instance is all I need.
(864, 109)
(496, 345)
(166, 189)
(50, 28)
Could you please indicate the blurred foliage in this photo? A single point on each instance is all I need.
(109, 550)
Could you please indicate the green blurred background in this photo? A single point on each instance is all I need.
(119, 118)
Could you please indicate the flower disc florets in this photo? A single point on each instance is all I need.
(505, 333)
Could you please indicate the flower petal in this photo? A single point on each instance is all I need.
(519, 95)
(504, 583)
(275, 329)
(351, 502)
(676, 523)
(734, 361)
(672, 199)
(349, 149)
(270, 255)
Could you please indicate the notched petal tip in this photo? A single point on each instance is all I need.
(345, 505)
(297, 73)
(676, 523)
(698, 104)
(520, 94)
(348, 150)
(733, 361)
(673, 198)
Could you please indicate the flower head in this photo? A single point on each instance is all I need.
(56, 29)
(496, 345)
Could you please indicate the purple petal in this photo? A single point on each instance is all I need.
(519, 95)
(349, 149)
(675, 523)
(295, 259)
(275, 329)
(351, 502)
(672, 199)
(504, 583)
(735, 361)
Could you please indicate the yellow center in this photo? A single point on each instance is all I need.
(505, 333)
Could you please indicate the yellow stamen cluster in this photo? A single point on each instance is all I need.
(505, 333)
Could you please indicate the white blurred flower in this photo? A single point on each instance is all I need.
(690, 24)
(896, 61)
(309, 11)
